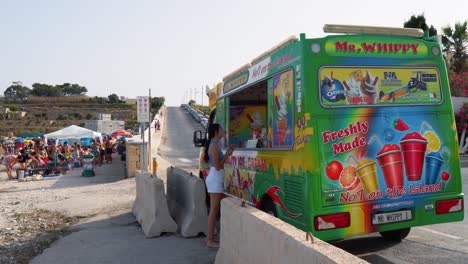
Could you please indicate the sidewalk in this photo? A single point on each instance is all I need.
(116, 236)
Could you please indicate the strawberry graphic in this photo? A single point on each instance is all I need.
(400, 125)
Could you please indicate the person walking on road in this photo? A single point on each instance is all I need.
(215, 179)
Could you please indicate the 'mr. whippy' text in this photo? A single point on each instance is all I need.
(356, 131)
(375, 47)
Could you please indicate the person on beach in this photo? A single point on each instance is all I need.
(9, 161)
(108, 152)
(215, 178)
(63, 165)
(23, 159)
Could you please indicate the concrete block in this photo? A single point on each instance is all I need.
(186, 202)
(263, 239)
(137, 205)
(150, 208)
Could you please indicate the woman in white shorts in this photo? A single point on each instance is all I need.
(215, 179)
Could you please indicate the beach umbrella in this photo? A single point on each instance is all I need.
(120, 133)
(65, 140)
(19, 140)
(8, 141)
(86, 141)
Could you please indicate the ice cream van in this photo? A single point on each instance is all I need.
(344, 135)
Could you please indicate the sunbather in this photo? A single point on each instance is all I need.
(63, 165)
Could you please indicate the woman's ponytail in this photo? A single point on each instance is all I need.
(206, 157)
(212, 129)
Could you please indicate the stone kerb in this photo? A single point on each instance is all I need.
(150, 207)
(249, 236)
(186, 202)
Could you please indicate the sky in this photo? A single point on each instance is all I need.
(173, 47)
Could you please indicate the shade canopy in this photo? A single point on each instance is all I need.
(73, 131)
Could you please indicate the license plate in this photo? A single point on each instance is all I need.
(392, 217)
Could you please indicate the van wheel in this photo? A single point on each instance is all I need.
(268, 207)
(395, 235)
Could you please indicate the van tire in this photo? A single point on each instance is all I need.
(396, 235)
(268, 206)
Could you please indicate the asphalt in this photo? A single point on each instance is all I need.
(464, 160)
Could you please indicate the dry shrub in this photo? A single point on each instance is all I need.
(62, 99)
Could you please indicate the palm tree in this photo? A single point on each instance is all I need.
(455, 43)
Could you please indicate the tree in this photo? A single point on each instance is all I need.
(156, 103)
(17, 91)
(114, 99)
(46, 90)
(73, 89)
(455, 45)
(420, 22)
(191, 102)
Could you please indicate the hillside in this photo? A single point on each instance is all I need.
(47, 114)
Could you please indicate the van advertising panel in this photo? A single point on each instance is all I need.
(357, 86)
(386, 157)
(281, 102)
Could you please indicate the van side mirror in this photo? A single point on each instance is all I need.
(199, 138)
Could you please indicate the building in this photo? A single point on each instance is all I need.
(131, 101)
(104, 124)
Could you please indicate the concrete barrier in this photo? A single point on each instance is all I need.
(137, 208)
(249, 236)
(150, 207)
(186, 202)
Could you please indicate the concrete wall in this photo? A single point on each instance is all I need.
(104, 126)
(133, 154)
(252, 236)
(104, 117)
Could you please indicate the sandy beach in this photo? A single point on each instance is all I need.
(36, 213)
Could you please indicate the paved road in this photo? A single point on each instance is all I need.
(177, 142)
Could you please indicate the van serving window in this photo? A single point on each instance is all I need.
(248, 117)
(261, 116)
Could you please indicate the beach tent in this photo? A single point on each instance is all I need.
(73, 132)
